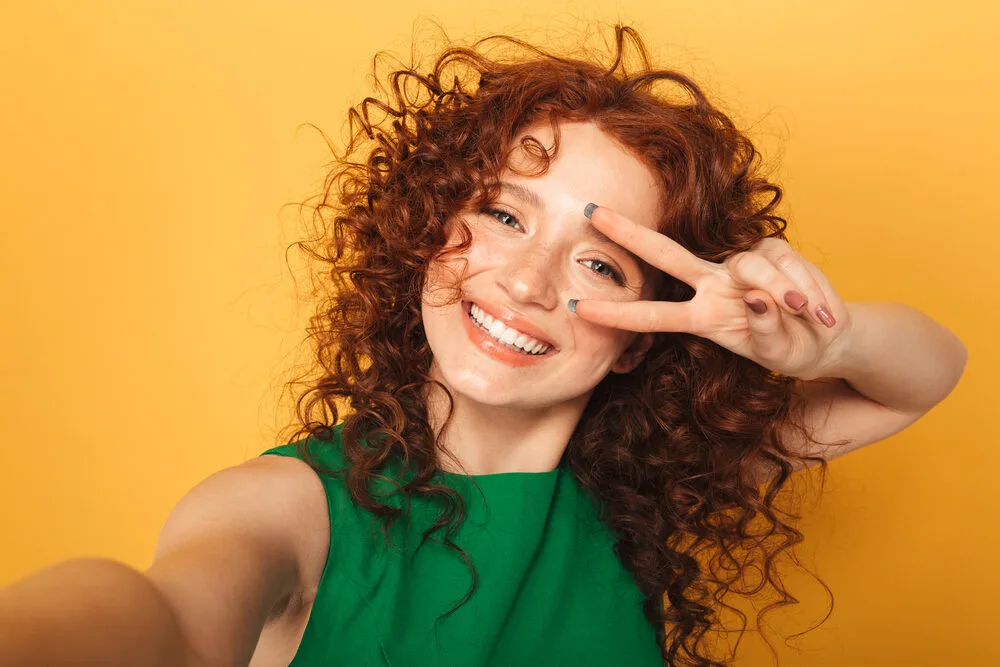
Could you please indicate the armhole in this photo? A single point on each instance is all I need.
(308, 635)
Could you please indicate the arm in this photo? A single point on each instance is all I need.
(233, 548)
(895, 364)
(899, 357)
(89, 611)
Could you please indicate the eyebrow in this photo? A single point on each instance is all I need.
(522, 192)
(591, 232)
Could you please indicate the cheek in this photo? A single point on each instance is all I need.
(443, 282)
(451, 266)
(457, 263)
(600, 343)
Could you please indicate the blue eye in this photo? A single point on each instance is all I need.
(612, 274)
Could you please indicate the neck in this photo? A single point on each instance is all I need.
(490, 439)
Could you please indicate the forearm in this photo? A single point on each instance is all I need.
(899, 357)
(89, 612)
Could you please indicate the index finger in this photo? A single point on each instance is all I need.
(641, 316)
(658, 250)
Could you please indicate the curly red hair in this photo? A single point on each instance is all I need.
(670, 450)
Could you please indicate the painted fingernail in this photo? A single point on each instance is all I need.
(824, 316)
(572, 305)
(796, 299)
(589, 210)
(756, 305)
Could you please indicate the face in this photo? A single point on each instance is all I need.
(530, 254)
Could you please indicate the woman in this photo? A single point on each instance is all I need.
(568, 359)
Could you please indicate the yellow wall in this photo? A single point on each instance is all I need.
(149, 318)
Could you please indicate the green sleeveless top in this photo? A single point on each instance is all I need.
(550, 589)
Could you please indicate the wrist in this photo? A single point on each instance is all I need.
(841, 353)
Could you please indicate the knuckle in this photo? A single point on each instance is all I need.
(738, 260)
(786, 260)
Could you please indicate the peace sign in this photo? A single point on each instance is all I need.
(801, 326)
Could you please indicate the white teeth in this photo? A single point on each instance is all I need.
(496, 329)
(505, 334)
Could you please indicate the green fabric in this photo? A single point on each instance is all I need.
(551, 590)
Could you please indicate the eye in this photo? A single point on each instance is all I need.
(495, 211)
(614, 275)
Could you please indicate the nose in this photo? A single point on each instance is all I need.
(531, 276)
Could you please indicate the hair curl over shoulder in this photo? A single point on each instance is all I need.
(669, 450)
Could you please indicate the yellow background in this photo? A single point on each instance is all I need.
(149, 317)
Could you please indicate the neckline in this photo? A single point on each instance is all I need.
(547, 474)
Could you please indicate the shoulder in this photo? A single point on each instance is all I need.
(279, 501)
(237, 546)
(303, 481)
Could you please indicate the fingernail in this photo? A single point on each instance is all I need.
(756, 305)
(824, 316)
(572, 305)
(589, 210)
(795, 299)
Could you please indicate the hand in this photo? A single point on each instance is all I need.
(792, 341)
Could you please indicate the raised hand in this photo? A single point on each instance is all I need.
(802, 323)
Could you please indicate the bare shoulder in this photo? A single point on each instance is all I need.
(279, 499)
(237, 548)
(302, 506)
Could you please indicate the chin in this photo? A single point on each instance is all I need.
(474, 385)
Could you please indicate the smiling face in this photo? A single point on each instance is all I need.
(530, 254)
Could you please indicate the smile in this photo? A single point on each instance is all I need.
(502, 342)
(509, 336)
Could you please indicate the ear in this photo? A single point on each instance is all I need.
(633, 354)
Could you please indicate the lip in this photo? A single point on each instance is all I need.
(494, 348)
(513, 320)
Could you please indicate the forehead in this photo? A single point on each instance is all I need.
(590, 166)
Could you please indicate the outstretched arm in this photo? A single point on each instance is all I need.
(235, 546)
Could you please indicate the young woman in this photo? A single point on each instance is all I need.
(567, 362)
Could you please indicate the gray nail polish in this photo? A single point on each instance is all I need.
(589, 210)
(572, 305)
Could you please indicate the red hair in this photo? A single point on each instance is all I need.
(668, 450)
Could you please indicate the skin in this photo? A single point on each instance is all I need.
(510, 419)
